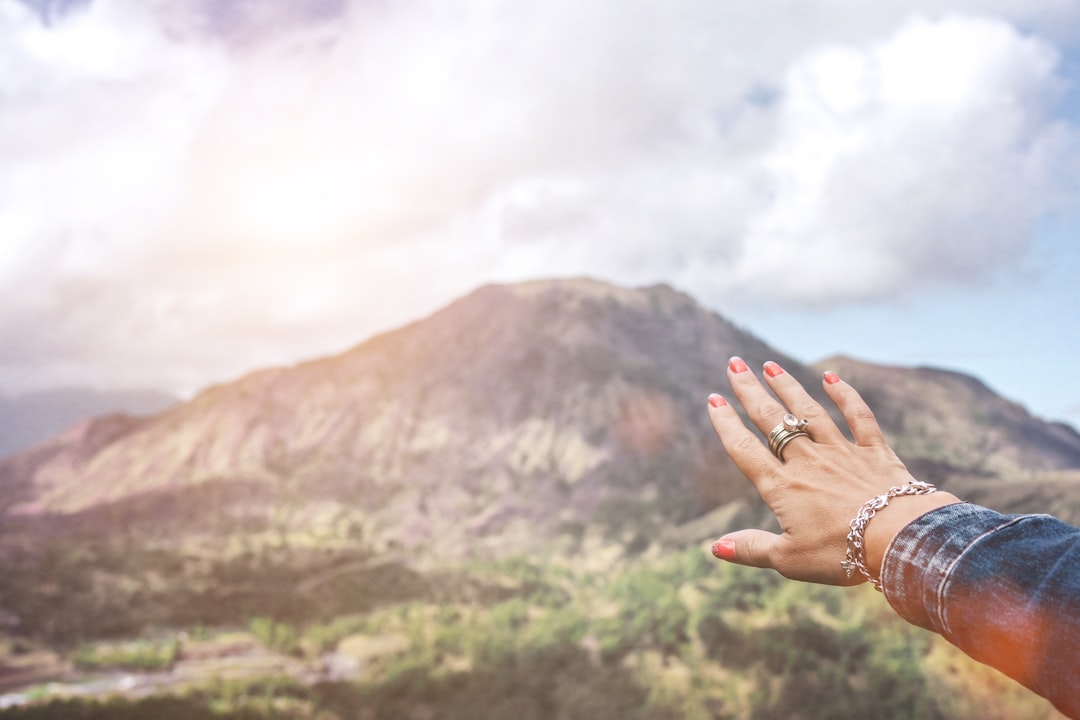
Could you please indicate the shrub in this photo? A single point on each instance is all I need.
(275, 635)
(146, 656)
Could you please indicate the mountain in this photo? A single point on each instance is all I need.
(563, 416)
(957, 422)
(27, 419)
(518, 410)
(537, 407)
(952, 429)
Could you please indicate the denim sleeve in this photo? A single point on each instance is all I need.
(1005, 589)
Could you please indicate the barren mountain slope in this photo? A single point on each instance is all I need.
(537, 406)
(518, 413)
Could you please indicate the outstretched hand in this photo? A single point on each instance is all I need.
(822, 482)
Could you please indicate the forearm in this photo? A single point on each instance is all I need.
(1004, 589)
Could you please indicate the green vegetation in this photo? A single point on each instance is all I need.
(146, 656)
(275, 635)
(260, 699)
(652, 639)
(67, 590)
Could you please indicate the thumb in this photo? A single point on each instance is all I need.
(746, 547)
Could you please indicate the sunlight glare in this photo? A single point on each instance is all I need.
(283, 211)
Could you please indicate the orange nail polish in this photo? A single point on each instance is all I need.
(831, 377)
(772, 369)
(724, 549)
(737, 365)
(717, 401)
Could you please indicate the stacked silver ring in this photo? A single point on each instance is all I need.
(790, 428)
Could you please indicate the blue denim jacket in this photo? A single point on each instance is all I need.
(1005, 589)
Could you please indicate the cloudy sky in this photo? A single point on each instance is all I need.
(190, 189)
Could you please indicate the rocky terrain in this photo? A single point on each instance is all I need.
(541, 406)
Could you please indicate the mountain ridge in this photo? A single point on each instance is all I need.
(28, 419)
(516, 410)
(955, 418)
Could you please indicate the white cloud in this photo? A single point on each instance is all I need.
(920, 160)
(235, 190)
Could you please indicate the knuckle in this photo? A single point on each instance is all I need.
(814, 464)
(862, 413)
(745, 443)
(754, 554)
(749, 547)
(765, 410)
(779, 559)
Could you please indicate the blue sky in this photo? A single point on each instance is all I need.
(1018, 335)
(187, 194)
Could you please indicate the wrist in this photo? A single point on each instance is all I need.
(895, 517)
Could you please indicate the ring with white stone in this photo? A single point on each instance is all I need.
(794, 424)
(790, 428)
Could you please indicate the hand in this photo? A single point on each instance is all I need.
(825, 480)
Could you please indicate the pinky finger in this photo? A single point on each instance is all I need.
(860, 418)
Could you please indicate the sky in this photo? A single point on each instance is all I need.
(193, 189)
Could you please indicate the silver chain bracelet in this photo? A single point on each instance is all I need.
(856, 548)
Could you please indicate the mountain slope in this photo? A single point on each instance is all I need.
(956, 422)
(518, 409)
(514, 414)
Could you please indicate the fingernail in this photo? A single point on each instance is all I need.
(724, 549)
(737, 365)
(831, 377)
(717, 401)
(772, 369)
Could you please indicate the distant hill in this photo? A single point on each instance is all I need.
(31, 418)
(952, 429)
(957, 422)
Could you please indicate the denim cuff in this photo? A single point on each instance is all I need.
(920, 558)
(1005, 589)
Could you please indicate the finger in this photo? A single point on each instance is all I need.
(744, 447)
(746, 547)
(764, 410)
(798, 401)
(860, 418)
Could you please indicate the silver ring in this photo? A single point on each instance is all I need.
(792, 423)
(778, 443)
(790, 428)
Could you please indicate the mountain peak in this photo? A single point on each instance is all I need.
(537, 403)
(584, 286)
(512, 414)
(571, 293)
